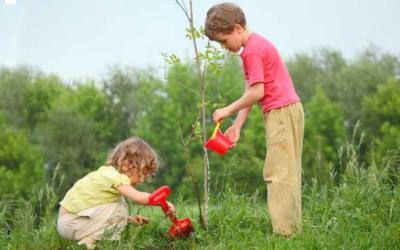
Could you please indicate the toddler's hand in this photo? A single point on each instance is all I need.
(171, 209)
(138, 220)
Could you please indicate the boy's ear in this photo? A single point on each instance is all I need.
(238, 28)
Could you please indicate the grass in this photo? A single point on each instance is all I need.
(360, 212)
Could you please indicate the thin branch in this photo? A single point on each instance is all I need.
(205, 69)
(186, 87)
(198, 198)
(184, 8)
(191, 133)
(182, 84)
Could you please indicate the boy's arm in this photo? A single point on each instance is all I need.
(252, 95)
(133, 194)
(233, 132)
(241, 117)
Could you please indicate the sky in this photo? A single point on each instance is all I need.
(81, 39)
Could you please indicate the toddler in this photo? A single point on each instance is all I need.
(95, 207)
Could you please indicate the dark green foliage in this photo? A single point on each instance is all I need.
(324, 133)
(68, 139)
(21, 163)
(344, 82)
(382, 117)
(76, 125)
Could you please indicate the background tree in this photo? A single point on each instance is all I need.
(21, 163)
(324, 133)
(381, 113)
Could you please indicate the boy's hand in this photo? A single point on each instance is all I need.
(233, 133)
(220, 114)
(138, 220)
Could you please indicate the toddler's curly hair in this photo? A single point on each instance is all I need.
(138, 153)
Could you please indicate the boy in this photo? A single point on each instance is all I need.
(267, 82)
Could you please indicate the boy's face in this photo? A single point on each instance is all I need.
(233, 41)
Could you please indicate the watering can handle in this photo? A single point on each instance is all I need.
(165, 207)
(216, 129)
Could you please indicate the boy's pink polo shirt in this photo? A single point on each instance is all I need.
(262, 63)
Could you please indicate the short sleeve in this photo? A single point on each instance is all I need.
(121, 180)
(254, 68)
(114, 178)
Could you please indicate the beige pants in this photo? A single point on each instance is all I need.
(93, 224)
(282, 169)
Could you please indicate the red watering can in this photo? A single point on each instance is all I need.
(180, 228)
(218, 142)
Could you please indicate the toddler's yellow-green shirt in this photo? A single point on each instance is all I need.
(95, 188)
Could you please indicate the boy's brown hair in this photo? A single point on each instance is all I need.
(222, 18)
(139, 154)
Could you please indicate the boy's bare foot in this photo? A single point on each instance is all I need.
(138, 220)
